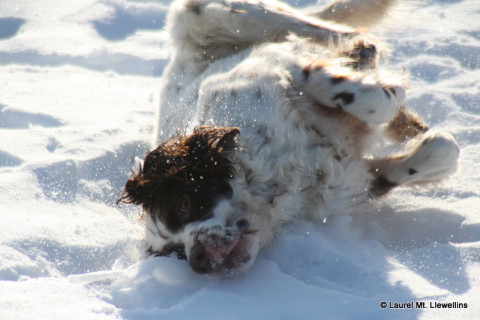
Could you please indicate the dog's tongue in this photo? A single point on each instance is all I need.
(219, 253)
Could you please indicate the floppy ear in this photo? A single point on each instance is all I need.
(165, 161)
(228, 141)
(208, 152)
(219, 139)
(185, 159)
(137, 190)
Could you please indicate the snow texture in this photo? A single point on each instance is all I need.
(79, 89)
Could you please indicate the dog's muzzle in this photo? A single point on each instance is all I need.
(223, 251)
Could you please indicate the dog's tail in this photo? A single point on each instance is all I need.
(355, 13)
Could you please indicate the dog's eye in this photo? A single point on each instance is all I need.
(183, 207)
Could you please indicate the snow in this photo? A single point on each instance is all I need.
(79, 89)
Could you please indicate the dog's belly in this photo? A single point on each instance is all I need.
(301, 171)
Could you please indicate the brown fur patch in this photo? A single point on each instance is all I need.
(306, 72)
(338, 79)
(405, 125)
(316, 64)
(195, 167)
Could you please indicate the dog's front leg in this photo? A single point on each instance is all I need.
(363, 95)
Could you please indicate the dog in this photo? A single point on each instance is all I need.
(270, 114)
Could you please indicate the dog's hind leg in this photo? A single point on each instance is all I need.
(213, 29)
(428, 159)
(355, 13)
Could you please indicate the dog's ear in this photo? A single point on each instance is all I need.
(145, 189)
(167, 160)
(208, 151)
(136, 190)
(182, 160)
(228, 141)
(219, 139)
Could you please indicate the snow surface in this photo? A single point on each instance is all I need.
(79, 89)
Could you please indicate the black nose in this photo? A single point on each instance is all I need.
(199, 260)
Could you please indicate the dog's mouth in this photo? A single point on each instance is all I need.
(224, 256)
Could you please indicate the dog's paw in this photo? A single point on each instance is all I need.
(430, 159)
(362, 56)
(373, 104)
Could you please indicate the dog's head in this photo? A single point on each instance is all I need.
(186, 193)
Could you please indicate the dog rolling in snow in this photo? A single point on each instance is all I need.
(274, 114)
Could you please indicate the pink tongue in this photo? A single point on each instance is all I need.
(218, 254)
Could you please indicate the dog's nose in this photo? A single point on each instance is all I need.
(199, 260)
(213, 257)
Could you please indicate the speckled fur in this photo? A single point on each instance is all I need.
(308, 103)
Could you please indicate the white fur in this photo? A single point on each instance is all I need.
(236, 64)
